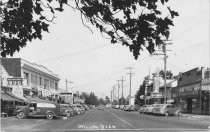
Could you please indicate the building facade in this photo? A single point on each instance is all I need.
(36, 79)
(189, 91)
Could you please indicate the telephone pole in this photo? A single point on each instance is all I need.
(66, 85)
(122, 90)
(118, 83)
(165, 59)
(130, 73)
(111, 97)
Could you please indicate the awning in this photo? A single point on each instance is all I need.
(20, 98)
(7, 97)
(35, 99)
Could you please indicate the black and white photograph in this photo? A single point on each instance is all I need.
(105, 65)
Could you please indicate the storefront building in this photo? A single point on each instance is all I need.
(205, 92)
(189, 87)
(36, 80)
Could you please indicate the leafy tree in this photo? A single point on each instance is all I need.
(101, 101)
(107, 100)
(140, 92)
(115, 102)
(134, 23)
(93, 100)
(169, 74)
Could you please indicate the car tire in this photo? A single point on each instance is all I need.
(179, 114)
(68, 114)
(49, 115)
(20, 115)
(166, 114)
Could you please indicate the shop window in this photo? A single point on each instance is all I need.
(195, 103)
(40, 81)
(32, 78)
(26, 76)
(207, 74)
(36, 79)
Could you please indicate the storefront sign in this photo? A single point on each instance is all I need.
(17, 91)
(205, 88)
(189, 88)
(188, 93)
(15, 81)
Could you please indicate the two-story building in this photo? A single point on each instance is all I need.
(37, 79)
(189, 95)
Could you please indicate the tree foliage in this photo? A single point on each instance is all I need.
(134, 23)
(140, 92)
(169, 74)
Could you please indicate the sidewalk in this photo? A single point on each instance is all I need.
(197, 117)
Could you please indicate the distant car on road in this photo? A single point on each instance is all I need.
(167, 109)
(100, 107)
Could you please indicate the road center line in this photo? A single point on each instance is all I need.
(121, 119)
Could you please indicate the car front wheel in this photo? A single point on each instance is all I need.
(68, 114)
(179, 113)
(20, 115)
(49, 116)
(166, 114)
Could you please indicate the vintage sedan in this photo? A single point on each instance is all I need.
(101, 107)
(129, 108)
(142, 109)
(34, 109)
(167, 109)
(65, 110)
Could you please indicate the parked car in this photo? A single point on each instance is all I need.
(136, 107)
(34, 109)
(129, 108)
(167, 109)
(121, 107)
(100, 107)
(150, 108)
(117, 106)
(73, 109)
(65, 110)
(142, 109)
(79, 109)
(125, 108)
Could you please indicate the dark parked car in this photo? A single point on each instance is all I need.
(65, 110)
(167, 109)
(34, 109)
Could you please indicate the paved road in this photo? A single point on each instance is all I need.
(105, 120)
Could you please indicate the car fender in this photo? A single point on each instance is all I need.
(51, 112)
(177, 111)
(18, 111)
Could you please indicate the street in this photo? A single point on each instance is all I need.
(106, 120)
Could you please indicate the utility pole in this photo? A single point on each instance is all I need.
(111, 97)
(118, 83)
(165, 59)
(122, 90)
(130, 73)
(66, 85)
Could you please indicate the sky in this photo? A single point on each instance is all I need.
(92, 63)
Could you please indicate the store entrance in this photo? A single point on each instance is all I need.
(189, 105)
